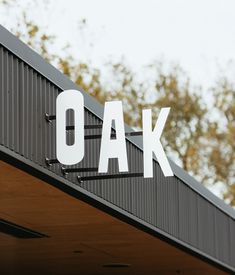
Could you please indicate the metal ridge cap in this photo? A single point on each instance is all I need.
(34, 60)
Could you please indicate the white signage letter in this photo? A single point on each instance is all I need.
(151, 143)
(70, 154)
(113, 148)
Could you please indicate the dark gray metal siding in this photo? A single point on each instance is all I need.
(165, 203)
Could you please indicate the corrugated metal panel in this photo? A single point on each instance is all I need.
(166, 203)
(232, 241)
(206, 226)
(222, 236)
(188, 216)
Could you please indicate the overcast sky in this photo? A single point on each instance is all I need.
(196, 33)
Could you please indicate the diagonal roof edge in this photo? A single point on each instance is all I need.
(34, 60)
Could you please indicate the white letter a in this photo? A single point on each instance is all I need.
(113, 148)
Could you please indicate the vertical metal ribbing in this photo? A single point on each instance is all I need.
(193, 216)
(11, 107)
(52, 137)
(9, 102)
(31, 116)
(5, 109)
(222, 236)
(184, 212)
(232, 242)
(17, 98)
(2, 76)
(39, 118)
(27, 113)
(22, 109)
